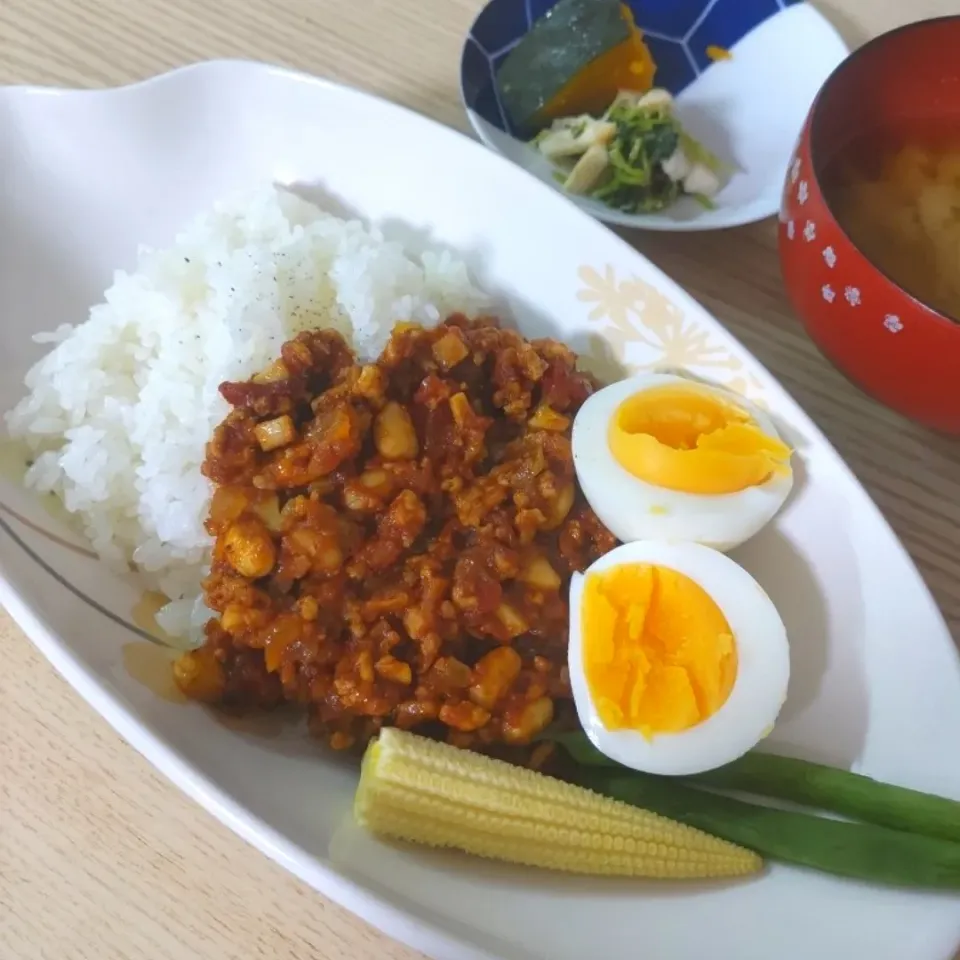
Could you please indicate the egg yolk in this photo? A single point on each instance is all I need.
(658, 653)
(692, 439)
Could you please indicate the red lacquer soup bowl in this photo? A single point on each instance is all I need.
(898, 349)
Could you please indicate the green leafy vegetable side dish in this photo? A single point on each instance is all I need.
(644, 139)
(636, 157)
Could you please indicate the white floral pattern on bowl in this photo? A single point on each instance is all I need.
(852, 294)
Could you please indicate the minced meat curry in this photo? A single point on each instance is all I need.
(394, 541)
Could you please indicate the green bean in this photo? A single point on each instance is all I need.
(857, 850)
(839, 791)
(809, 784)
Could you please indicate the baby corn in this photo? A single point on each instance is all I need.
(418, 790)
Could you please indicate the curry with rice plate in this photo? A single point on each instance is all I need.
(428, 532)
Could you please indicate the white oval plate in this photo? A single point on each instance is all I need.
(876, 682)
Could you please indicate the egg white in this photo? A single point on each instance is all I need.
(632, 509)
(763, 666)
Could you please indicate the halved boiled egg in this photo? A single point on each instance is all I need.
(662, 457)
(678, 659)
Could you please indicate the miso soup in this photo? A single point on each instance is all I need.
(896, 192)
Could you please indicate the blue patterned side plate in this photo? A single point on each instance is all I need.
(782, 50)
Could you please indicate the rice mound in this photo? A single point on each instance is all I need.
(119, 411)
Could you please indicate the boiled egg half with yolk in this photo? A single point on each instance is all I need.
(678, 659)
(662, 457)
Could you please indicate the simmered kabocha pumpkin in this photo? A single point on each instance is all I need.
(574, 60)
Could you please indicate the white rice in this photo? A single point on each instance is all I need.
(120, 410)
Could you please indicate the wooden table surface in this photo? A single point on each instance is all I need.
(102, 858)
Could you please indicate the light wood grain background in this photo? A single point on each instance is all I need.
(102, 859)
